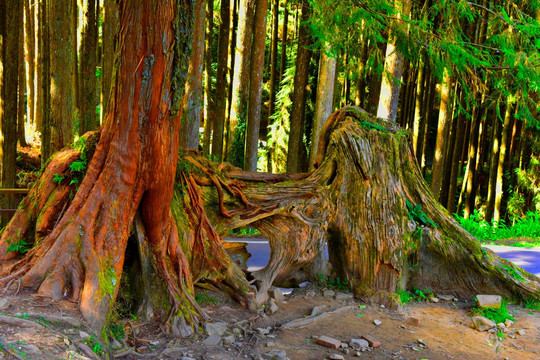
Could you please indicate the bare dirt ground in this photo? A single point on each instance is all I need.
(29, 330)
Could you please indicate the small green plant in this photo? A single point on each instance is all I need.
(371, 126)
(496, 315)
(78, 166)
(417, 215)
(205, 298)
(417, 294)
(404, 296)
(94, 345)
(332, 283)
(21, 247)
(57, 179)
(117, 331)
(532, 304)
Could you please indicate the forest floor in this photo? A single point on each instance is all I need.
(421, 330)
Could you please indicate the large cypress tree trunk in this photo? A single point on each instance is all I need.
(79, 249)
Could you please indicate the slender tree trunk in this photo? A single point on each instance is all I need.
(218, 120)
(393, 70)
(374, 90)
(472, 175)
(30, 55)
(253, 120)
(21, 106)
(89, 100)
(10, 26)
(427, 107)
(274, 74)
(109, 34)
(324, 103)
(360, 96)
(75, 52)
(299, 95)
(208, 100)
(240, 83)
(284, 34)
(44, 80)
(499, 186)
(62, 74)
(38, 103)
(231, 58)
(191, 117)
(493, 166)
(420, 85)
(440, 161)
(456, 157)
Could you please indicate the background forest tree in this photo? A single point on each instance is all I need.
(462, 78)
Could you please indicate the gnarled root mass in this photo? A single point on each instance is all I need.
(362, 203)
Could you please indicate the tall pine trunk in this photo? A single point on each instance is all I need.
(324, 101)
(253, 120)
(218, 120)
(240, 84)
(299, 95)
(30, 55)
(440, 161)
(109, 34)
(61, 74)
(10, 25)
(88, 93)
(191, 116)
(208, 100)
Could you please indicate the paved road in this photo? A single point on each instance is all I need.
(526, 258)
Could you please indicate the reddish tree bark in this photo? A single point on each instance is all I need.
(133, 167)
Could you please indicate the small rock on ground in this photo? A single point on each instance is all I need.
(212, 340)
(481, 323)
(489, 301)
(336, 357)
(329, 293)
(328, 342)
(215, 328)
(377, 322)
(275, 354)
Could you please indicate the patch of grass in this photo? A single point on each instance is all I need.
(527, 229)
(94, 345)
(21, 247)
(332, 283)
(497, 315)
(513, 272)
(245, 231)
(205, 298)
(117, 331)
(532, 304)
(404, 296)
(417, 294)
